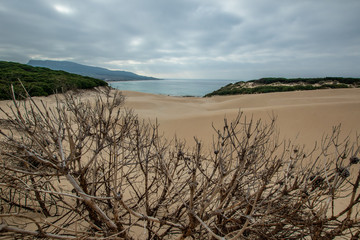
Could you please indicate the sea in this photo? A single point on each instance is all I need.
(172, 87)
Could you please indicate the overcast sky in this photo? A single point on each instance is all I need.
(219, 39)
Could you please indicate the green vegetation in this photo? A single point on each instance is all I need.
(40, 81)
(307, 80)
(267, 85)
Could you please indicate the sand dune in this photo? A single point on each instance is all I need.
(306, 115)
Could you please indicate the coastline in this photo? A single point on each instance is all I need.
(172, 87)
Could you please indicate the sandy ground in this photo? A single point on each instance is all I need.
(304, 115)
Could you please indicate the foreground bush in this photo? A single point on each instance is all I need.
(95, 171)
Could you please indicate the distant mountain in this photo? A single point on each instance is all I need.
(84, 70)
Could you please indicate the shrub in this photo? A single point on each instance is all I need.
(264, 85)
(40, 81)
(85, 171)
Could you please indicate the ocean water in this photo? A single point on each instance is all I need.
(172, 87)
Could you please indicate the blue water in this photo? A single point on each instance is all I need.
(172, 87)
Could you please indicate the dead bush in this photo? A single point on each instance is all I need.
(84, 170)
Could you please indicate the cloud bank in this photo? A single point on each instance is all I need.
(228, 39)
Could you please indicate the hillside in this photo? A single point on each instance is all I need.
(40, 81)
(84, 70)
(266, 85)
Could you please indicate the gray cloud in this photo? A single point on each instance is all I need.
(188, 38)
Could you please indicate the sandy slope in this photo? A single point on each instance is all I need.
(306, 115)
(303, 116)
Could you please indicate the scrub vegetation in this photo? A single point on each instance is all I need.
(94, 170)
(40, 81)
(267, 85)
